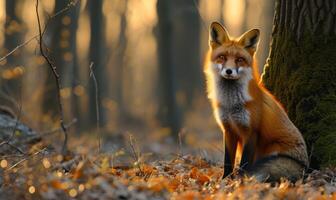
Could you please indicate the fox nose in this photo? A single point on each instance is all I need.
(228, 71)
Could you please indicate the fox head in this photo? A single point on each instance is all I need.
(232, 58)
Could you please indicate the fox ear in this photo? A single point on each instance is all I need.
(217, 35)
(250, 40)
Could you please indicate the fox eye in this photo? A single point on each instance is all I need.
(240, 60)
(221, 59)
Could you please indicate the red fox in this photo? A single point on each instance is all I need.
(258, 134)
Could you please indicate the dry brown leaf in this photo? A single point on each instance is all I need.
(189, 195)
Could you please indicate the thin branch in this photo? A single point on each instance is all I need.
(7, 142)
(67, 165)
(26, 158)
(67, 126)
(16, 148)
(180, 138)
(10, 99)
(7, 111)
(71, 4)
(234, 171)
(57, 79)
(13, 146)
(18, 47)
(136, 153)
(92, 75)
(310, 156)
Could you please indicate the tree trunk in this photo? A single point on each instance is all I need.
(120, 65)
(97, 50)
(301, 71)
(63, 54)
(14, 33)
(168, 109)
(186, 50)
(73, 71)
(14, 28)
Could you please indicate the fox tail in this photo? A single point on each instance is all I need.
(275, 167)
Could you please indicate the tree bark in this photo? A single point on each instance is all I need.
(301, 71)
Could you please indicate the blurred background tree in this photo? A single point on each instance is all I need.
(13, 36)
(169, 113)
(62, 31)
(98, 57)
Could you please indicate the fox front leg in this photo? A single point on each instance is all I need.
(230, 143)
(249, 149)
(228, 166)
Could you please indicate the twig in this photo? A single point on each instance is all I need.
(66, 166)
(234, 171)
(57, 80)
(215, 147)
(26, 158)
(97, 105)
(16, 148)
(182, 131)
(136, 155)
(37, 138)
(70, 4)
(9, 99)
(7, 111)
(67, 126)
(11, 156)
(18, 47)
(13, 133)
(310, 155)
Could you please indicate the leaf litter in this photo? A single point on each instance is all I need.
(88, 175)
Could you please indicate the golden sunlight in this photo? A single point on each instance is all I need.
(234, 15)
(3, 163)
(2, 20)
(83, 35)
(31, 189)
(211, 11)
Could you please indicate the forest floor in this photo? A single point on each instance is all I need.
(129, 173)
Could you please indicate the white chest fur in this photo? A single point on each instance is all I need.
(232, 96)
